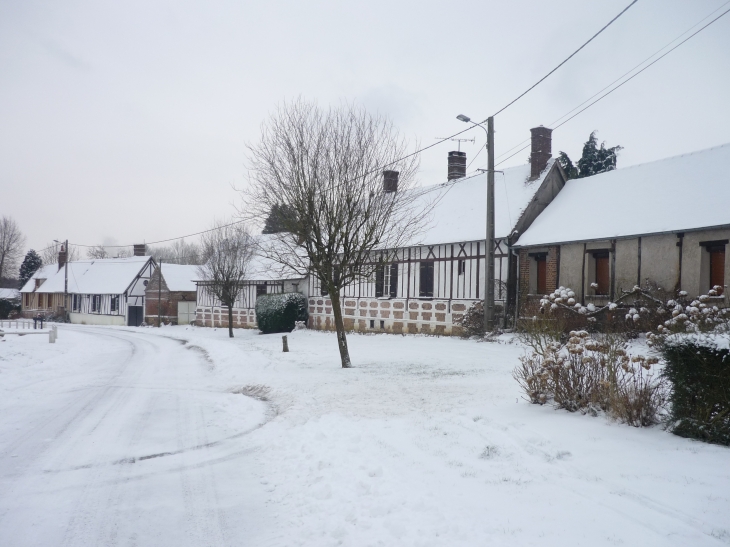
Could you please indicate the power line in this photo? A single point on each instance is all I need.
(619, 78)
(533, 86)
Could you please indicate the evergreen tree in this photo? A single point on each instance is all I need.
(30, 265)
(594, 160)
(277, 220)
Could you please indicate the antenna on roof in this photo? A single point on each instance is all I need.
(472, 140)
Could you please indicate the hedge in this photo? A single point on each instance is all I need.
(700, 398)
(278, 312)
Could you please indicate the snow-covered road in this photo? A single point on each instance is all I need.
(182, 436)
(120, 438)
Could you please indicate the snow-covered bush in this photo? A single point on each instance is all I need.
(280, 312)
(699, 371)
(589, 374)
(472, 323)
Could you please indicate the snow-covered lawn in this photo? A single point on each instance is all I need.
(426, 442)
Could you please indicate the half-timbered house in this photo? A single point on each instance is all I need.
(100, 292)
(664, 223)
(427, 286)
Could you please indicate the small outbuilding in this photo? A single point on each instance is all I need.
(171, 295)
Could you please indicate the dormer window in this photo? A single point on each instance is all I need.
(38, 282)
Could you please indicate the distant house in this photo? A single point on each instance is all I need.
(264, 277)
(171, 295)
(100, 292)
(666, 222)
(427, 286)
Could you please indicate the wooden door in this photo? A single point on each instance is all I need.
(717, 268)
(541, 275)
(602, 274)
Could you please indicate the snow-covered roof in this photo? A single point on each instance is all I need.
(681, 193)
(460, 212)
(9, 294)
(103, 276)
(180, 277)
(44, 272)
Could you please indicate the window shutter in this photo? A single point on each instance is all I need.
(393, 280)
(426, 279)
(717, 267)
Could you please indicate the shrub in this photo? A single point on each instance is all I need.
(472, 323)
(700, 397)
(280, 312)
(589, 374)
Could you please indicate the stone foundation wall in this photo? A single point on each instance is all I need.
(397, 316)
(218, 317)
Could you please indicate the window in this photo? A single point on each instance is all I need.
(602, 273)
(372, 323)
(393, 280)
(717, 267)
(27, 300)
(541, 274)
(386, 280)
(295, 287)
(382, 325)
(95, 302)
(323, 288)
(461, 267)
(260, 289)
(426, 279)
(115, 303)
(76, 303)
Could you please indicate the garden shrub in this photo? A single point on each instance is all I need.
(590, 374)
(472, 323)
(280, 312)
(699, 371)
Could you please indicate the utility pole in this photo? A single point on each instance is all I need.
(65, 283)
(159, 294)
(489, 251)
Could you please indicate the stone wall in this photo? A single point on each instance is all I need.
(397, 316)
(216, 316)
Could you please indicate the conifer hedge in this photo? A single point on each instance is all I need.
(278, 312)
(700, 398)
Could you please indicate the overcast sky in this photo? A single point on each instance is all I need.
(127, 121)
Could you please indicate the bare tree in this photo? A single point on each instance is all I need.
(179, 252)
(100, 252)
(49, 254)
(327, 169)
(227, 251)
(11, 247)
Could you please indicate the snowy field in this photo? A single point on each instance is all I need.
(182, 437)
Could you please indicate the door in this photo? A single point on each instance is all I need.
(185, 312)
(541, 264)
(135, 316)
(603, 277)
(717, 268)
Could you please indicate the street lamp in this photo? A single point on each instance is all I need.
(489, 251)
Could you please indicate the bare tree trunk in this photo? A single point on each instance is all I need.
(230, 321)
(340, 327)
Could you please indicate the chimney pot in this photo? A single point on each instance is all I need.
(541, 150)
(62, 257)
(457, 165)
(390, 181)
(140, 250)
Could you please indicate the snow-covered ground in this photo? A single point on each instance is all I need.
(181, 436)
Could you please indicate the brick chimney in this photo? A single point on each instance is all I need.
(62, 257)
(541, 150)
(457, 165)
(140, 250)
(390, 181)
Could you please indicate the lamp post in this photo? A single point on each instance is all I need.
(489, 251)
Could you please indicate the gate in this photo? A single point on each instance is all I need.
(185, 312)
